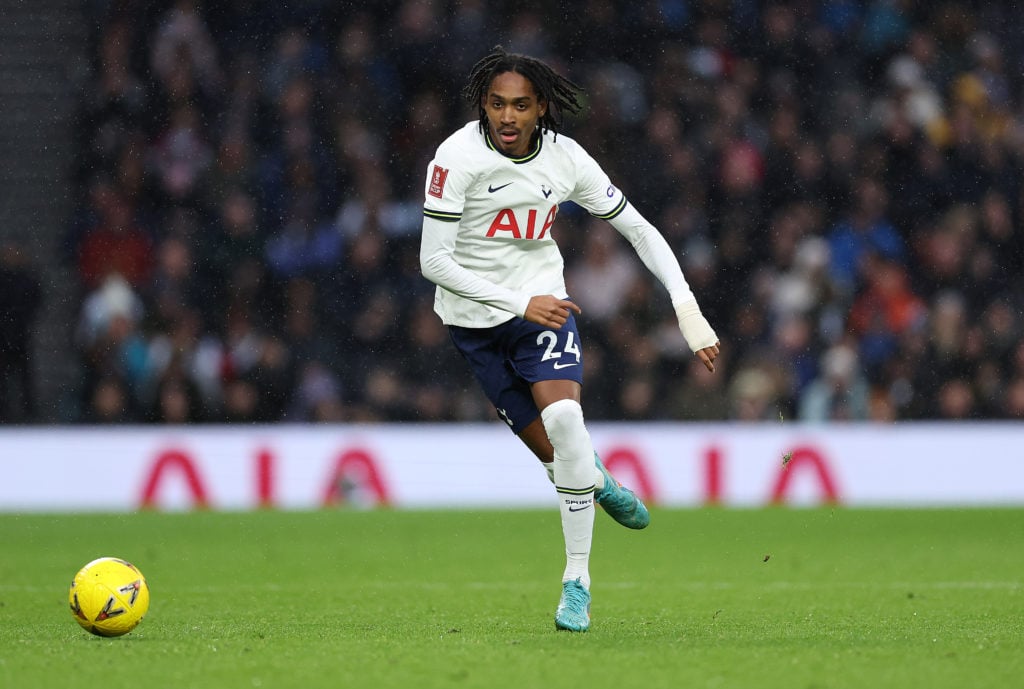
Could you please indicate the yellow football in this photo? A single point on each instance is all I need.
(109, 597)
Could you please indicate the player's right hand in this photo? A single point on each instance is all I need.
(550, 311)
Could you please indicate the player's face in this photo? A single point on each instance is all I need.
(513, 109)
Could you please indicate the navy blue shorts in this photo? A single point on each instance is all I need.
(507, 358)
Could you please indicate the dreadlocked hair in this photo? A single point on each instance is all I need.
(561, 94)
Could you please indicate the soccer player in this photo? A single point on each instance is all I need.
(492, 194)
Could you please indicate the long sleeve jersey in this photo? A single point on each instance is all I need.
(488, 239)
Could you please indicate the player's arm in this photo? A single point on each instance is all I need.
(449, 177)
(438, 264)
(595, 192)
(657, 255)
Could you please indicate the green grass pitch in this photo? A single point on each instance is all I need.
(794, 598)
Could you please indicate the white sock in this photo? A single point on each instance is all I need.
(574, 482)
(550, 468)
(598, 475)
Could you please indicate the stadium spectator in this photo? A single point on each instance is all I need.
(176, 401)
(109, 402)
(603, 274)
(862, 236)
(1013, 400)
(115, 245)
(753, 396)
(114, 352)
(840, 392)
(317, 397)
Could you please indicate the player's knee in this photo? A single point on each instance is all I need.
(563, 420)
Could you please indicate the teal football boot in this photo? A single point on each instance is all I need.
(573, 614)
(621, 503)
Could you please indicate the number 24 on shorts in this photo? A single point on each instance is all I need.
(550, 339)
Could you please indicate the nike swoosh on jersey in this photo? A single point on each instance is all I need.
(578, 509)
(493, 189)
(557, 365)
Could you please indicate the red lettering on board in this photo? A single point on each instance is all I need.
(622, 461)
(805, 459)
(355, 471)
(265, 478)
(174, 462)
(712, 476)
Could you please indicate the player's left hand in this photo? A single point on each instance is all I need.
(708, 356)
(698, 333)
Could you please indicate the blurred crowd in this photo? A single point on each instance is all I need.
(842, 182)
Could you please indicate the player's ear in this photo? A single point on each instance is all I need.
(543, 107)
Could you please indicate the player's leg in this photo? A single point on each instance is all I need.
(504, 359)
(573, 469)
(551, 361)
(487, 351)
(619, 502)
(535, 437)
(573, 466)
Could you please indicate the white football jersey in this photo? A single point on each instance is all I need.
(494, 216)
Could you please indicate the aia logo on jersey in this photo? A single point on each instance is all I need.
(521, 227)
(437, 179)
